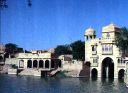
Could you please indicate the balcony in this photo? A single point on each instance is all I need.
(94, 64)
(107, 52)
(121, 65)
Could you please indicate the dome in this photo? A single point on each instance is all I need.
(90, 32)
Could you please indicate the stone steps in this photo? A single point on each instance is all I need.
(27, 72)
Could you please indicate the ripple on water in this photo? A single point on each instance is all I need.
(30, 84)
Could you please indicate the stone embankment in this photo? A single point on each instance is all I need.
(4, 69)
(77, 69)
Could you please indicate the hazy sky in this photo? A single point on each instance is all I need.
(53, 22)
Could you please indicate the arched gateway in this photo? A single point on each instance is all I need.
(107, 68)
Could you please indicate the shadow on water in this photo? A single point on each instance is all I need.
(30, 84)
(94, 78)
(84, 79)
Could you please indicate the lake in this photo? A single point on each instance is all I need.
(30, 84)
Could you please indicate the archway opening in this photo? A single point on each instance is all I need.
(47, 64)
(59, 63)
(35, 64)
(53, 63)
(107, 68)
(121, 74)
(29, 64)
(41, 64)
(94, 73)
(1, 59)
(21, 63)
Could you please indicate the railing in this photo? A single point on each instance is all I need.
(107, 52)
(94, 52)
(94, 64)
(107, 40)
(121, 65)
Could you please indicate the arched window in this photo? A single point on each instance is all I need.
(41, 64)
(53, 63)
(94, 73)
(1, 59)
(47, 64)
(21, 63)
(29, 63)
(121, 73)
(35, 64)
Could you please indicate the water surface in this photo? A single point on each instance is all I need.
(30, 84)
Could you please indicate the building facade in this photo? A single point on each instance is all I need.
(104, 56)
(42, 61)
(2, 51)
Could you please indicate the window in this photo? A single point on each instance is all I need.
(107, 49)
(108, 35)
(94, 48)
(118, 60)
(21, 63)
(95, 60)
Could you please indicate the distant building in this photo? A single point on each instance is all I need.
(2, 51)
(66, 58)
(105, 57)
(33, 63)
(51, 50)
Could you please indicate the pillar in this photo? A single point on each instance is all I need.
(32, 63)
(38, 63)
(44, 64)
(49, 64)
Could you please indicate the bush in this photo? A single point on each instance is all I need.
(14, 66)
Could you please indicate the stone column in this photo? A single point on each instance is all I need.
(49, 64)
(38, 63)
(44, 64)
(32, 63)
(18, 63)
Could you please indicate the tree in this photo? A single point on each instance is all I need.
(122, 41)
(3, 3)
(78, 50)
(10, 48)
(63, 49)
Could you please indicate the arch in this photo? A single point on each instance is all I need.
(21, 63)
(107, 68)
(94, 73)
(53, 63)
(41, 63)
(121, 74)
(59, 63)
(29, 64)
(1, 59)
(35, 64)
(47, 64)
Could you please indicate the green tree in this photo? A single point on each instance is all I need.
(10, 48)
(78, 50)
(3, 3)
(122, 41)
(63, 49)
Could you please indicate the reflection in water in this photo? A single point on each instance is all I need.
(29, 84)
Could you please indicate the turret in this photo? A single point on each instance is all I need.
(90, 34)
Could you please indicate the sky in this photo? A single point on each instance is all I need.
(48, 23)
